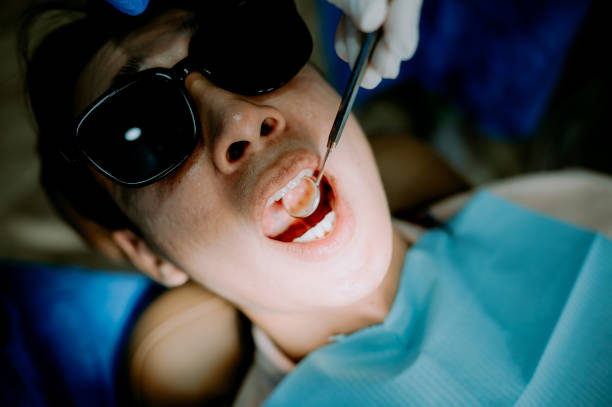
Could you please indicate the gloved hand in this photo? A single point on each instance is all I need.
(400, 22)
(131, 7)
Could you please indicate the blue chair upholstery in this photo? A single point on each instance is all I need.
(63, 330)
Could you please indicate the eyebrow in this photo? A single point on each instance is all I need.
(128, 70)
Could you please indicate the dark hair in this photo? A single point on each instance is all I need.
(75, 31)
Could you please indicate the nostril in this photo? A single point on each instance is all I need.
(267, 126)
(236, 150)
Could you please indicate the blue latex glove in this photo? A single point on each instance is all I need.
(131, 7)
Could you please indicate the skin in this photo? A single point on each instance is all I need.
(203, 222)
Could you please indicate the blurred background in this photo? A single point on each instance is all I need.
(569, 126)
(29, 227)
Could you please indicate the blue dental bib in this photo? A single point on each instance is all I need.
(505, 308)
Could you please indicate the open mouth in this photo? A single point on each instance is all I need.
(279, 225)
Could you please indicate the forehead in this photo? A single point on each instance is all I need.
(161, 43)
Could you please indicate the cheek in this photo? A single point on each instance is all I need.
(179, 227)
(372, 243)
(315, 103)
(183, 213)
(198, 229)
(354, 161)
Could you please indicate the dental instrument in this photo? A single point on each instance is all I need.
(302, 200)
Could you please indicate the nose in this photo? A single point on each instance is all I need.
(235, 128)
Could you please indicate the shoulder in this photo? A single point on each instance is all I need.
(578, 196)
(186, 347)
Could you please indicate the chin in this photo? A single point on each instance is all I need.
(375, 250)
(354, 273)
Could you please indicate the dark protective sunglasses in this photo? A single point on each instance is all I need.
(139, 132)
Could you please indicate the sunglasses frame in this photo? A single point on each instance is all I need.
(75, 153)
(222, 64)
(177, 75)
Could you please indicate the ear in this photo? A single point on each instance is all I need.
(146, 260)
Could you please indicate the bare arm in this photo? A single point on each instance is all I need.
(186, 349)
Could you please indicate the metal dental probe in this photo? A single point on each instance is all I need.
(350, 93)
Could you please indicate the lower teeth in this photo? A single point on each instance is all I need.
(320, 230)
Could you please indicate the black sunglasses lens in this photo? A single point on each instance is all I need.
(251, 47)
(140, 133)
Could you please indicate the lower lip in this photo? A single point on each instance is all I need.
(322, 249)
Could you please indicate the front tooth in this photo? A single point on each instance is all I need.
(295, 181)
(305, 173)
(290, 185)
(328, 221)
(319, 231)
(306, 237)
(279, 194)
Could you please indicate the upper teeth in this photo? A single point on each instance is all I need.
(290, 185)
(320, 230)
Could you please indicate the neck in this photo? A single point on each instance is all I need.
(299, 334)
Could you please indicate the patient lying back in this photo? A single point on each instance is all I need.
(189, 346)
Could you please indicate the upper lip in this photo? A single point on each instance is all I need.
(277, 175)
